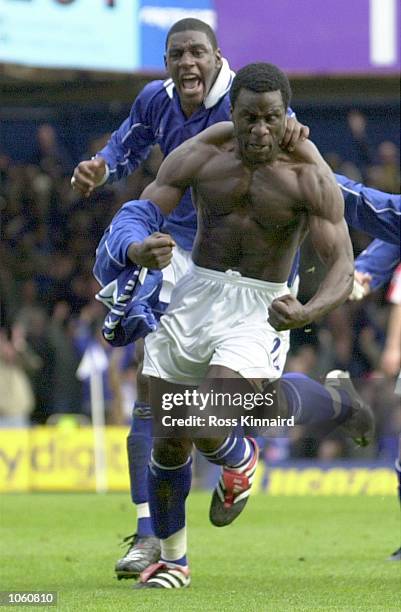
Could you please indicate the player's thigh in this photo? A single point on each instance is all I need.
(253, 351)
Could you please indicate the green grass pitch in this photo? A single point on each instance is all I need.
(283, 553)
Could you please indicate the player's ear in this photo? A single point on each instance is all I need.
(231, 111)
(219, 58)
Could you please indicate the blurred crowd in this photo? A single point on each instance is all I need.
(49, 316)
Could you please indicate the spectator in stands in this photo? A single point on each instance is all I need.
(66, 396)
(389, 161)
(51, 155)
(361, 153)
(16, 395)
(36, 330)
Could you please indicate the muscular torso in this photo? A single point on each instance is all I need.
(248, 220)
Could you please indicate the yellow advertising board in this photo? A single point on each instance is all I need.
(58, 459)
(62, 459)
(332, 481)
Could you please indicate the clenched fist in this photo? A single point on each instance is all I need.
(88, 175)
(156, 251)
(286, 312)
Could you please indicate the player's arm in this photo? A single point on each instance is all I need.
(369, 210)
(138, 221)
(332, 243)
(175, 175)
(330, 237)
(128, 146)
(181, 168)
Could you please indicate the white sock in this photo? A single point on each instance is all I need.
(174, 547)
(142, 510)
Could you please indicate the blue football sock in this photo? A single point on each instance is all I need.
(139, 446)
(168, 490)
(234, 452)
(311, 403)
(144, 523)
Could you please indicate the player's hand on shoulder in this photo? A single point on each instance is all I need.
(155, 252)
(295, 133)
(88, 175)
(286, 312)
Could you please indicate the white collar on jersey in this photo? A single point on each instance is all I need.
(220, 87)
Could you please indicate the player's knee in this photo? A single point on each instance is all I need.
(171, 452)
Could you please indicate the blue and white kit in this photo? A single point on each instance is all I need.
(227, 327)
(156, 117)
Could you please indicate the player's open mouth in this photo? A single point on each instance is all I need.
(258, 147)
(191, 84)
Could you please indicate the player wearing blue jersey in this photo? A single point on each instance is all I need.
(168, 113)
(372, 211)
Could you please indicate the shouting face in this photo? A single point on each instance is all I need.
(193, 65)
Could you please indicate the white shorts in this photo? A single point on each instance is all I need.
(179, 266)
(217, 318)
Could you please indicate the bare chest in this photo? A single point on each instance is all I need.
(266, 197)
